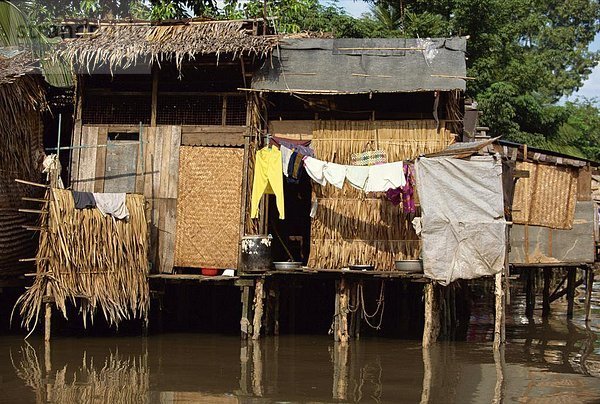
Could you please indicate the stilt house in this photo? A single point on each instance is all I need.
(183, 108)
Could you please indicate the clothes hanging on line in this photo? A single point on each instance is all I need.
(404, 195)
(84, 200)
(315, 169)
(112, 204)
(268, 179)
(301, 146)
(357, 176)
(286, 154)
(335, 174)
(385, 176)
(295, 168)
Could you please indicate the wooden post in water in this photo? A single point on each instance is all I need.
(530, 292)
(340, 370)
(258, 308)
(546, 292)
(431, 329)
(344, 296)
(571, 275)
(245, 325)
(499, 325)
(588, 292)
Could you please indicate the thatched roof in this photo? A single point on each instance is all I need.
(18, 84)
(122, 45)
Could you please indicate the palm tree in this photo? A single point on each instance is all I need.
(17, 31)
(388, 15)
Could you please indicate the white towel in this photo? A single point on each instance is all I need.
(335, 174)
(112, 204)
(385, 176)
(315, 169)
(357, 176)
(285, 158)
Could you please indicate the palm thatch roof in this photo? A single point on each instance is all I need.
(18, 85)
(119, 44)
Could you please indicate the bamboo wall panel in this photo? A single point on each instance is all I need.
(547, 198)
(209, 206)
(349, 227)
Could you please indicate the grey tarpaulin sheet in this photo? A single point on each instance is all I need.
(464, 231)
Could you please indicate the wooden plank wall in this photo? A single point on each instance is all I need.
(157, 178)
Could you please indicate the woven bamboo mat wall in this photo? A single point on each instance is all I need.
(349, 227)
(547, 198)
(209, 207)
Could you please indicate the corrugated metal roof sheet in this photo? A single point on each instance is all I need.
(352, 66)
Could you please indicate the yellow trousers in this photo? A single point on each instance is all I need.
(268, 179)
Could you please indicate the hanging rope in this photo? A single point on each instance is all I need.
(380, 305)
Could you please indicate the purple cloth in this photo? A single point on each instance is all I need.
(301, 146)
(405, 194)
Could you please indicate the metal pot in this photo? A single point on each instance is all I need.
(409, 266)
(287, 265)
(256, 253)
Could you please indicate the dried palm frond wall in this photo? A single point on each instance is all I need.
(21, 151)
(124, 45)
(350, 227)
(93, 261)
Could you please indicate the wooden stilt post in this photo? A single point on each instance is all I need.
(245, 326)
(257, 367)
(431, 329)
(546, 292)
(499, 330)
(343, 311)
(336, 313)
(588, 292)
(571, 275)
(530, 292)
(258, 308)
(244, 356)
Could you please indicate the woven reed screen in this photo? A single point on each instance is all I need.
(349, 227)
(208, 207)
(547, 198)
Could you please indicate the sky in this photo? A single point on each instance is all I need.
(590, 88)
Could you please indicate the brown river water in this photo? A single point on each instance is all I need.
(544, 361)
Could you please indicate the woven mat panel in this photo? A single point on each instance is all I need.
(208, 207)
(350, 228)
(547, 198)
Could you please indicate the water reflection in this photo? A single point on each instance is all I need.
(546, 360)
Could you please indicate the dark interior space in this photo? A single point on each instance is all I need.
(291, 236)
(355, 107)
(60, 104)
(189, 307)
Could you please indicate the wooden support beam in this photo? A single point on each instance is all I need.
(258, 308)
(154, 105)
(546, 292)
(432, 316)
(571, 277)
(588, 292)
(344, 295)
(561, 293)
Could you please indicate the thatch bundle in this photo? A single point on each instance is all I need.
(21, 151)
(84, 255)
(118, 380)
(124, 45)
(351, 228)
